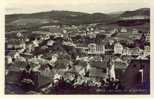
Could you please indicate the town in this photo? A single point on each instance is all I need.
(78, 59)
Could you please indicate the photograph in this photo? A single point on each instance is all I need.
(77, 47)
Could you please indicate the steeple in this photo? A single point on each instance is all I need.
(110, 69)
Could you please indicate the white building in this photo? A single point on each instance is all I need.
(35, 43)
(146, 50)
(135, 31)
(54, 59)
(91, 34)
(126, 51)
(58, 35)
(19, 34)
(50, 43)
(113, 31)
(46, 37)
(123, 30)
(92, 47)
(96, 49)
(111, 70)
(118, 48)
(136, 51)
(16, 55)
(8, 59)
(68, 43)
(148, 37)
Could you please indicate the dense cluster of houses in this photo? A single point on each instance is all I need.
(78, 52)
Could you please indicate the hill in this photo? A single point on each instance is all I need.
(22, 21)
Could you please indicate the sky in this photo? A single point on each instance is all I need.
(89, 6)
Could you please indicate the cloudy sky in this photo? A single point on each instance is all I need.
(90, 6)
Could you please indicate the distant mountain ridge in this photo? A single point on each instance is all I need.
(138, 12)
(64, 17)
(67, 17)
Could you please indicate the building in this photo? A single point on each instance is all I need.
(82, 47)
(118, 48)
(91, 35)
(19, 34)
(135, 31)
(92, 48)
(123, 30)
(57, 35)
(8, 60)
(115, 30)
(68, 43)
(126, 51)
(35, 43)
(111, 70)
(109, 48)
(148, 37)
(146, 51)
(50, 43)
(96, 48)
(136, 51)
(13, 54)
(15, 44)
(137, 76)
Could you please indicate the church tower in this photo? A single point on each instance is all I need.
(111, 69)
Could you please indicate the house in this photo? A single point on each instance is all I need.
(68, 43)
(13, 54)
(126, 51)
(50, 43)
(118, 48)
(35, 43)
(82, 47)
(15, 44)
(54, 58)
(8, 60)
(92, 48)
(29, 47)
(96, 48)
(58, 35)
(148, 37)
(136, 51)
(27, 39)
(19, 35)
(91, 35)
(112, 31)
(134, 31)
(123, 30)
(109, 49)
(47, 36)
(146, 50)
(111, 69)
(137, 76)
(111, 42)
(64, 31)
